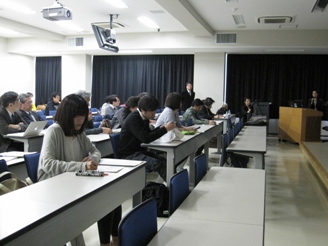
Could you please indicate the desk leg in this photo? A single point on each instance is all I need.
(137, 199)
(258, 160)
(169, 166)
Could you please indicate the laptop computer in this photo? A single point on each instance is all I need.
(33, 129)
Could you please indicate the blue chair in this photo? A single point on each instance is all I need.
(50, 122)
(3, 168)
(231, 135)
(52, 112)
(139, 226)
(98, 118)
(42, 115)
(32, 164)
(225, 144)
(200, 167)
(96, 124)
(179, 189)
(94, 110)
(115, 140)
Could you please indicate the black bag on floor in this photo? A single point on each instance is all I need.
(239, 161)
(161, 195)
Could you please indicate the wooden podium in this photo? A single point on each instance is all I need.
(299, 124)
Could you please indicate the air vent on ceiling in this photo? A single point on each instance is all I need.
(75, 42)
(226, 38)
(275, 19)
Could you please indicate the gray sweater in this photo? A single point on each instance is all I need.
(54, 157)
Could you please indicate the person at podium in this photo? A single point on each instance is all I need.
(316, 102)
(247, 110)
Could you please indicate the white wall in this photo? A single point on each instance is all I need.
(209, 77)
(16, 71)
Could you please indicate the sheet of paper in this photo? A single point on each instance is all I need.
(119, 162)
(109, 169)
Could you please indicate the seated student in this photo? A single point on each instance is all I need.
(170, 113)
(90, 126)
(31, 96)
(110, 106)
(25, 111)
(193, 113)
(66, 148)
(120, 115)
(136, 130)
(206, 112)
(53, 103)
(10, 121)
(246, 110)
(223, 110)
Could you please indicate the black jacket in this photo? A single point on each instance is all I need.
(187, 99)
(5, 120)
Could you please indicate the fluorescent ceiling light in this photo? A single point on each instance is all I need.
(16, 7)
(69, 25)
(118, 4)
(134, 51)
(148, 22)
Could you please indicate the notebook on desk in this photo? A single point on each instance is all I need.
(33, 129)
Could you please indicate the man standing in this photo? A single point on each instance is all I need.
(25, 111)
(315, 102)
(187, 97)
(136, 130)
(53, 103)
(10, 121)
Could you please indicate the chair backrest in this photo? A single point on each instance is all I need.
(231, 135)
(225, 144)
(3, 168)
(42, 115)
(32, 163)
(200, 167)
(98, 118)
(139, 226)
(50, 122)
(179, 189)
(93, 110)
(115, 140)
(52, 112)
(96, 124)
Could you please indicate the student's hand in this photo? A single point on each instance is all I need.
(107, 130)
(170, 126)
(91, 165)
(17, 127)
(211, 122)
(190, 128)
(216, 116)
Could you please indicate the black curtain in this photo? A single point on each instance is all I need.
(47, 78)
(276, 79)
(127, 76)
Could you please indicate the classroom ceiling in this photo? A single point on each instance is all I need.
(199, 17)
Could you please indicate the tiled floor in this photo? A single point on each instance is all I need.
(296, 206)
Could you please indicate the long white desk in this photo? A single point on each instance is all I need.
(56, 210)
(251, 141)
(31, 144)
(178, 150)
(102, 143)
(226, 208)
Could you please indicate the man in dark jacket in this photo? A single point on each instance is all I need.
(136, 130)
(10, 121)
(53, 103)
(187, 97)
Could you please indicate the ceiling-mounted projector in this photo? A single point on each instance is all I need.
(57, 12)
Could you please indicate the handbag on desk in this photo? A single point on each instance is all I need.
(11, 184)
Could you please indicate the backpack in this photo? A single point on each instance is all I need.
(239, 161)
(11, 183)
(161, 195)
